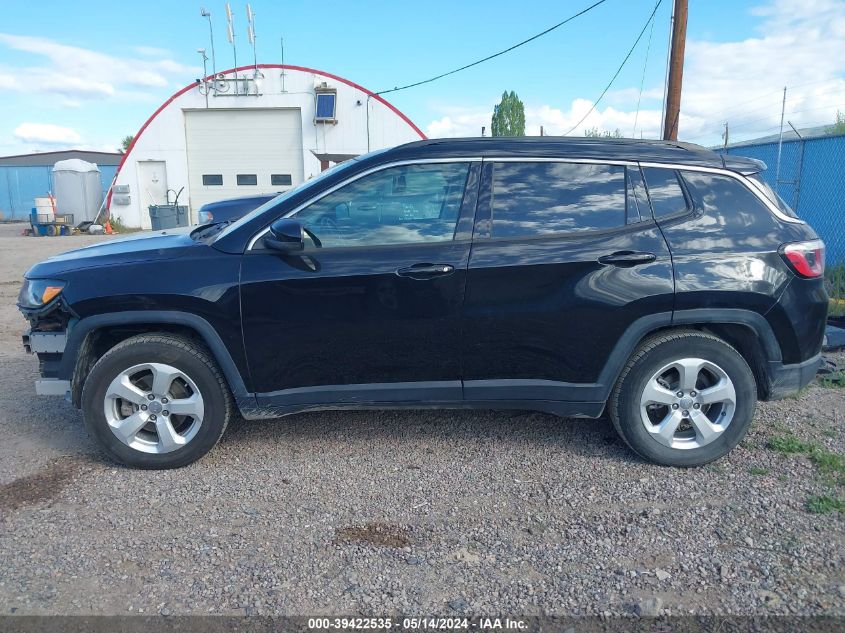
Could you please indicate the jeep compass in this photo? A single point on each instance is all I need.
(657, 282)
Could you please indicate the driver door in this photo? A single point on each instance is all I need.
(370, 310)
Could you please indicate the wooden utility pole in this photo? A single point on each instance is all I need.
(676, 71)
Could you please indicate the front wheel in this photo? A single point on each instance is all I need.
(684, 399)
(156, 401)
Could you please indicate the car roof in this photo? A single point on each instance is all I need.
(634, 150)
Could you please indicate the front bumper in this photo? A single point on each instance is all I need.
(785, 380)
(52, 387)
(49, 346)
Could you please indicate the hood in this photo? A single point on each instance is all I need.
(256, 200)
(138, 247)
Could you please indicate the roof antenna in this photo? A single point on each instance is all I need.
(257, 75)
(282, 42)
(207, 14)
(230, 32)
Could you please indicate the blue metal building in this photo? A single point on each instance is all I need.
(28, 176)
(811, 180)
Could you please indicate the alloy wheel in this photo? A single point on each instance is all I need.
(154, 408)
(688, 403)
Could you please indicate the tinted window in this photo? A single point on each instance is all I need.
(212, 179)
(247, 179)
(281, 180)
(406, 204)
(537, 198)
(638, 210)
(664, 190)
(772, 196)
(726, 197)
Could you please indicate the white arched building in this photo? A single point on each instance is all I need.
(251, 130)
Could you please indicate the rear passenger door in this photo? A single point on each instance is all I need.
(566, 261)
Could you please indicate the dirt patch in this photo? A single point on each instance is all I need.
(374, 535)
(45, 485)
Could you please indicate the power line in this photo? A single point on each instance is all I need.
(494, 55)
(735, 107)
(762, 131)
(642, 80)
(618, 70)
(751, 122)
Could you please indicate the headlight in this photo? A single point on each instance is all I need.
(39, 292)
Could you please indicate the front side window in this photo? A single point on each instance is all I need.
(540, 198)
(664, 190)
(397, 205)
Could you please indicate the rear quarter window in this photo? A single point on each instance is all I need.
(543, 198)
(727, 199)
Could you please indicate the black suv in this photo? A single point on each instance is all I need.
(657, 281)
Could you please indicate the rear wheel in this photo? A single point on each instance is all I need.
(156, 401)
(684, 399)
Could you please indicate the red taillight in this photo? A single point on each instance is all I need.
(805, 258)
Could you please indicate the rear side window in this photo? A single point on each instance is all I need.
(540, 198)
(664, 190)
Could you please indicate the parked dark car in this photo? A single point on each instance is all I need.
(231, 209)
(656, 281)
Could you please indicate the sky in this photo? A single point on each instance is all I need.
(87, 73)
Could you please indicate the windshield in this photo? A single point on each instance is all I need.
(773, 197)
(284, 196)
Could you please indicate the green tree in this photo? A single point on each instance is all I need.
(594, 132)
(126, 142)
(838, 126)
(508, 116)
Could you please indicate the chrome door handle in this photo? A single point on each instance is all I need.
(627, 258)
(425, 271)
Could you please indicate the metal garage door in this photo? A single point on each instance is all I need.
(233, 153)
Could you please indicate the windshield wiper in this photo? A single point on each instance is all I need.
(208, 230)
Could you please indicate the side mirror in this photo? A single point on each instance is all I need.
(285, 235)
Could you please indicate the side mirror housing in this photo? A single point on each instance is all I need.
(286, 235)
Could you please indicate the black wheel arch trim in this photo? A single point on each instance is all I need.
(644, 326)
(78, 334)
(738, 316)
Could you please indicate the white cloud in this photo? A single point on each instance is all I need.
(460, 122)
(800, 45)
(83, 74)
(47, 134)
(152, 51)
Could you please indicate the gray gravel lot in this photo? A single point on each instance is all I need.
(408, 512)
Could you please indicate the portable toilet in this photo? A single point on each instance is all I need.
(78, 189)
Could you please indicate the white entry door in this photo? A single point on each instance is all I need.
(236, 153)
(152, 187)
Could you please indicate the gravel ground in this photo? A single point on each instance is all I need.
(413, 512)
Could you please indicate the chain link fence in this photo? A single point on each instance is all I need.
(811, 181)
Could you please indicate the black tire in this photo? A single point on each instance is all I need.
(188, 356)
(653, 354)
